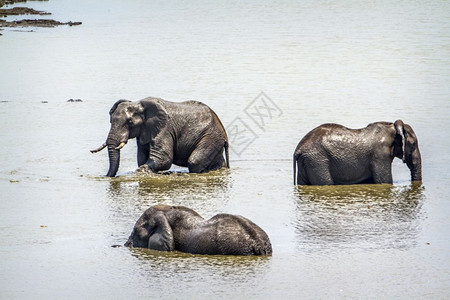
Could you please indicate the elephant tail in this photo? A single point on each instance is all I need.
(297, 155)
(295, 167)
(227, 154)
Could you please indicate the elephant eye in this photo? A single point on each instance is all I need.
(135, 121)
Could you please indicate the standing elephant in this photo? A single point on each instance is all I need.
(188, 134)
(333, 154)
(170, 228)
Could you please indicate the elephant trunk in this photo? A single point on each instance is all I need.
(114, 156)
(129, 242)
(134, 241)
(114, 159)
(415, 166)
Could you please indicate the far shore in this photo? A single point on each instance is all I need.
(19, 11)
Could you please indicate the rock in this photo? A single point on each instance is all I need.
(36, 23)
(28, 11)
(15, 11)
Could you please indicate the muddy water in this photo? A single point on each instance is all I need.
(316, 62)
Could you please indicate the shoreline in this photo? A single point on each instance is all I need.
(24, 23)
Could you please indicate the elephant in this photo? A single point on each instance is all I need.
(187, 134)
(179, 228)
(333, 154)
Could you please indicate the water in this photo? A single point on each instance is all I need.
(349, 62)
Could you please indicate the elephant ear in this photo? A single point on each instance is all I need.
(161, 237)
(114, 107)
(156, 118)
(399, 129)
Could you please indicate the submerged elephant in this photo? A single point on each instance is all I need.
(334, 154)
(170, 228)
(188, 134)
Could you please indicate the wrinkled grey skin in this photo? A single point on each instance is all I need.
(170, 228)
(188, 134)
(333, 154)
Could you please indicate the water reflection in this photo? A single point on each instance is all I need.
(365, 216)
(178, 188)
(198, 272)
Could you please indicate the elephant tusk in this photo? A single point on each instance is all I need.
(99, 148)
(120, 146)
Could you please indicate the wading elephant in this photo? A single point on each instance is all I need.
(333, 154)
(170, 228)
(188, 134)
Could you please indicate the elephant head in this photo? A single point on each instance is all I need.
(128, 120)
(406, 148)
(153, 231)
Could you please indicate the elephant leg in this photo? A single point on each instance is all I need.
(381, 172)
(143, 152)
(206, 157)
(161, 155)
(301, 176)
(318, 172)
(157, 164)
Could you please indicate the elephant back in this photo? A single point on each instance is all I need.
(233, 235)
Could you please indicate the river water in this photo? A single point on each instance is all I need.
(301, 63)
